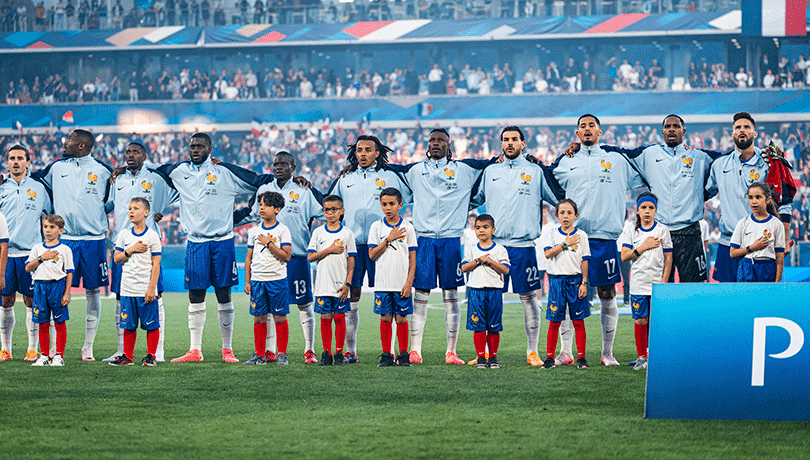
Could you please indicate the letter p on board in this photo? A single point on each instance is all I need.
(758, 359)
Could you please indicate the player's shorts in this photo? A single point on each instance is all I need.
(484, 309)
(299, 280)
(17, 279)
(756, 271)
(688, 255)
(135, 308)
(438, 256)
(523, 271)
(563, 292)
(89, 262)
(211, 263)
(640, 306)
(725, 268)
(392, 302)
(327, 305)
(603, 266)
(362, 265)
(271, 297)
(48, 302)
(115, 278)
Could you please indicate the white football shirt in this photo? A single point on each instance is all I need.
(567, 262)
(331, 270)
(137, 270)
(483, 276)
(52, 269)
(264, 266)
(649, 267)
(392, 266)
(749, 229)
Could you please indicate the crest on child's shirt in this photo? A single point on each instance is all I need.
(32, 195)
(146, 186)
(754, 175)
(606, 165)
(525, 178)
(767, 234)
(293, 197)
(91, 178)
(273, 239)
(573, 248)
(380, 183)
(687, 162)
(339, 242)
(451, 174)
(212, 179)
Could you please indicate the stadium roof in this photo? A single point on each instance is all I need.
(405, 31)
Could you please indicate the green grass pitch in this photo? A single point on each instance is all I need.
(429, 411)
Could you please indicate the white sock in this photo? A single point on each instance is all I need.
(33, 329)
(307, 316)
(196, 323)
(52, 351)
(92, 313)
(6, 327)
(118, 329)
(225, 311)
(352, 321)
(394, 349)
(452, 317)
(159, 354)
(610, 318)
(566, 334)
(270, 341)
(419, 318)
(531, 319)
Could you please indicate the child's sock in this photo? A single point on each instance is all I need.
(152, 341)
(6, 327)
(61, 338)
(493, 340)
(129, 342)
(225, 311)
(45, 338)
(196, 324)
(551, 338)
(386, 331)
(283, 331)
(340, 331)
(579, 333)
(352, 321)
(270, 344)
(326, 334)
(402, 336)
(641, 339)
(480, 341)
(259, 337)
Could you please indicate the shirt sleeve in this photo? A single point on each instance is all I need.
(626, 238)
(3, 229)
(736, 237)
(779, 237)
(351, 247)
(711, 182)
(33, 254)
(468, 256)
(666, 241)
(586, 246)
(119, 242)
(373, 240)
(503, 257)
(410, 238)
(545, 238)
(68, 260)
(313, 242)
(156, 248)
(286, 237)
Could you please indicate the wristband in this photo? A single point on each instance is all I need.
(748, 249)
(564, 246)
(584, 283)
(347, 284)
(39, 259)
(635, 251)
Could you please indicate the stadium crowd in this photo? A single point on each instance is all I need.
(319, 149)
(448, 80)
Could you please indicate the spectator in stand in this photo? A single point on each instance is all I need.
(435, 80)
(768, 80)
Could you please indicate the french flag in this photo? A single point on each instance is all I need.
(774, 18)
(256, 127)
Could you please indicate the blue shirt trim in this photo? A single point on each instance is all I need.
(146, 229)
(668, 250)
(648, 229)
(269, 228)
(566, 234)
(51, 247)
(486, 249)
(734, 245)
(392, 226)
(333, 231)
(763, 220)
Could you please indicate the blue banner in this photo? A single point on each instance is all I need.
(729, 351)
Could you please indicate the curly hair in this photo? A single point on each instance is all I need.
(382, 152)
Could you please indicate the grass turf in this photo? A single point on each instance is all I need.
(212, 409)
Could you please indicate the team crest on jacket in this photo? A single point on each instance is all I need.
(754, 175)
(525, 178)
(146, 186)
(606, 166)
(687, 162)
(212, 179)
(293, 197)
(92, 178)
(381, 183)
(32, 195)
(451, 174)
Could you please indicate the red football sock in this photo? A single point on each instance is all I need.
(403, 333)
(340, 331)
(641, 339)
(551, 338)
(259, 337)
(480, 341)
(282, 336)
(386, 331)
(61, 338)
(152, 339)
(129, 342)
(326, 334)
(45, 338)
(493, 339)
(579, 336)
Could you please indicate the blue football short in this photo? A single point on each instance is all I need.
(603, 266)
(756, 271)
(484, 309)
(269, 297)
(563, 292)
(392, 302)
(327, 305)
(725, 268)
(134, 309)
(362, 265)
(640, 306)
(89, 262)
(211, 263)
(17, 279)
(299, 280)
(523, 271)
(48, 302)
(438, 256)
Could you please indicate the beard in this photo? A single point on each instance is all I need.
(742, 145)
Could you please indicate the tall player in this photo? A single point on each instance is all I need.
(81, 189)
(360, 188)
(301, 205)
(207, 193)
(597, 181)
(513, 192)
(441, 193)
(138, 181)
(730, 177)
(22, 202)
(676, 174)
